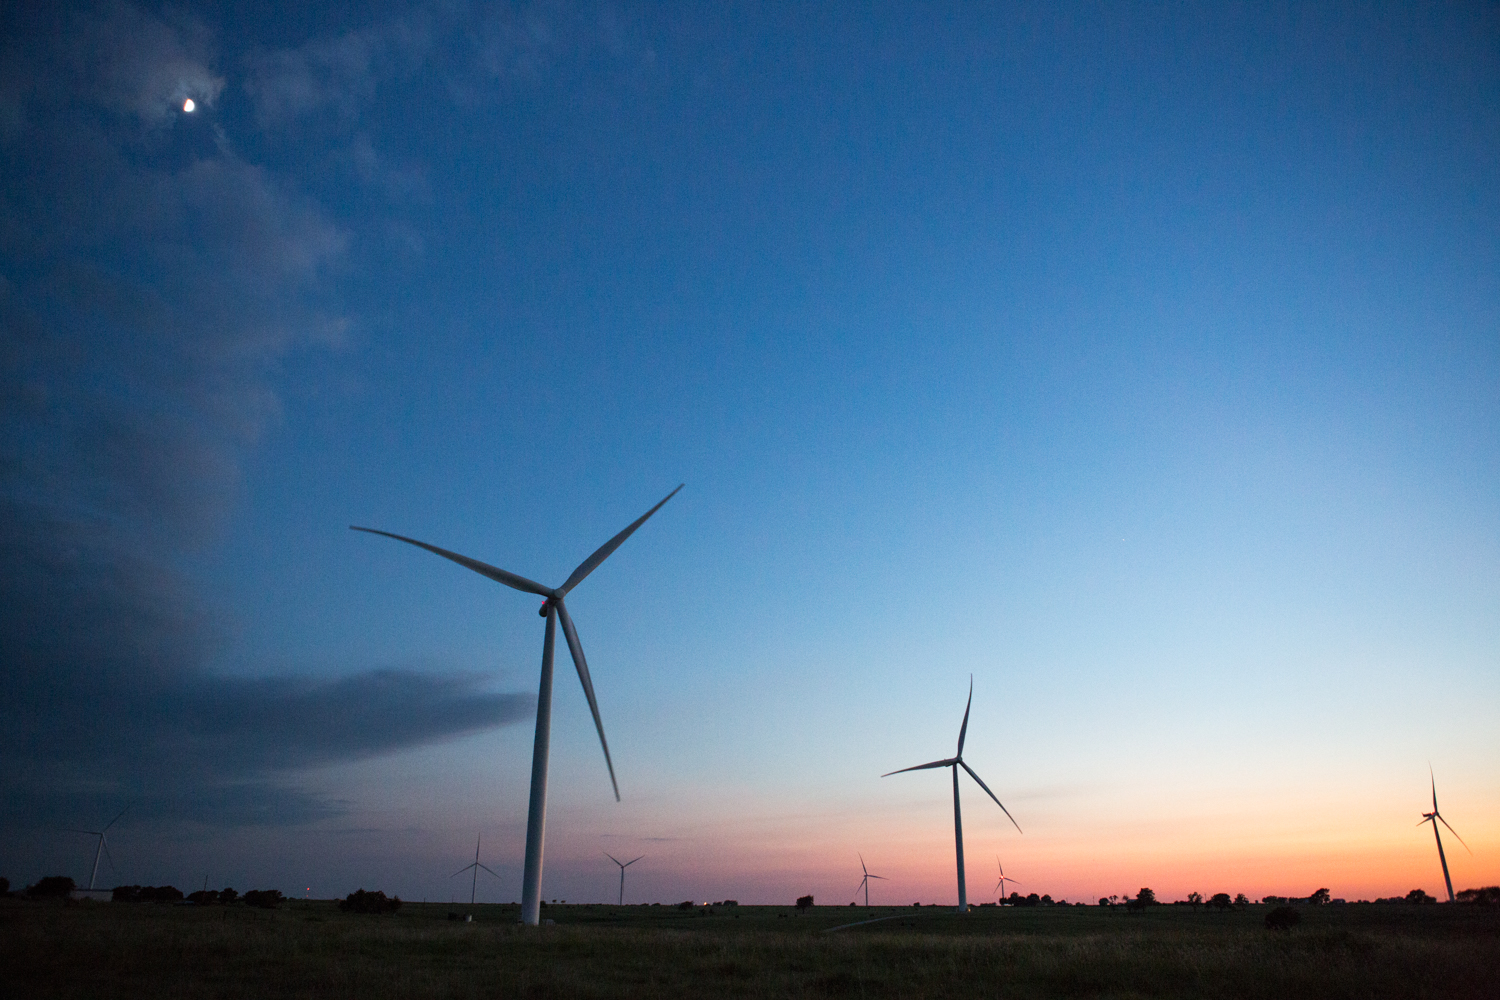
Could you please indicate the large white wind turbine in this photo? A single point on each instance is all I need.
(1001, 884)
(104, 848)
(1435, 818)
(473, 888)
(955, 762)
(864, 883)
(552, 609)
(623, 865)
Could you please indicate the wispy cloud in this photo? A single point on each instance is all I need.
(336, 74)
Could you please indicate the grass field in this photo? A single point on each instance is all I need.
(311, 949)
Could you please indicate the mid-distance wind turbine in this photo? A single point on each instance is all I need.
(956, 762)
(1001, 884)
(623, 865)
(1435, 818)
(864, 883)
(552, 609)
(103, 847)
(475, 866)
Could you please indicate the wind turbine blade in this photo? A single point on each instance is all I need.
(483, 569)
(588, 685)
(1445, 823)
(881, 877)
(112, 867)
(1434, 787)
(91, 833)
(492, 873)
(463, 869)
(117, 818)
(1425, 819)
(991, 794)
(862, 866)
(922, 767)
(613, 858)
(632, 861)
(603, 552)
(963, 730)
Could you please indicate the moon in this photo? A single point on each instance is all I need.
(188, 105)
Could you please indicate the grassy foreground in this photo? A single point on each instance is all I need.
(310, 949)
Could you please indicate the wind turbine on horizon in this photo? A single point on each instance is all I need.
(955, 762)
(473, 889)
(1435, 818)
(1001, 884)
(103, 847)
(623, 865)
(865, 882)
(552, 609)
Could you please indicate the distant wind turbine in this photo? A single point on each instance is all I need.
(864, 883)
(1435, 818)
(1001, 884)
(955, 762)
(623, 865)
(473, 889)
(552, 609)
(104, 848)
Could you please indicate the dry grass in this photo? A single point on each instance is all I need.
(312, 950)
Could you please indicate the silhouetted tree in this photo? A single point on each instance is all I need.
(1146, 896)
(686, 904)
(1283, 918)
(369, 902)
(1418, 896)
(1104, 901)
(1241, 900)
(51, 887)
(265, 899)
(804, 903)
(1319, 897)
(1220, 900)
(1195, 899)
(1483, 897)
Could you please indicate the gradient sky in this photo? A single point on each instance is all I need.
(1142, 362)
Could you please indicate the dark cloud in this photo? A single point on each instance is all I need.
(150, 282)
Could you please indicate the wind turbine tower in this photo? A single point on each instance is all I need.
(103, 848)
(955, 762)
(1435, 818)
(623, 865)
(1001, 884)
(554, 610)
(865, 882)
(474, 887)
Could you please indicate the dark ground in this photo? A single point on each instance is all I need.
(311, 949)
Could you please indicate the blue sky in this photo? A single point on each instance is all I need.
(1141, 362)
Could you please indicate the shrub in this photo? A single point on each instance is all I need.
(1283, 918)
(369, 902)
(51, 887)
(686, 904)
(1418, 896)
(265, 899)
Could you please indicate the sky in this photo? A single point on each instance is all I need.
(1139, 362)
